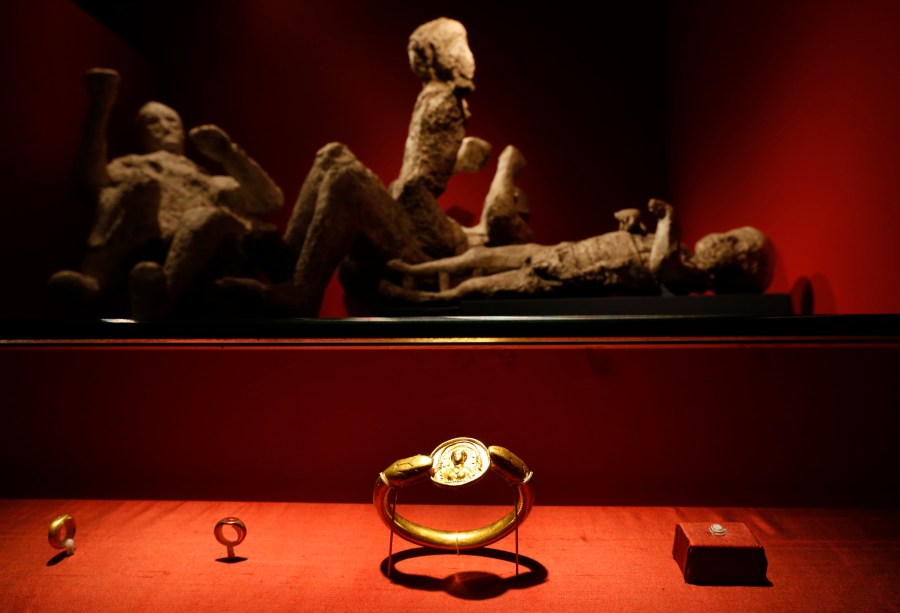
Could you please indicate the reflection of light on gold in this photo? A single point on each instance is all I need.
(407, 471)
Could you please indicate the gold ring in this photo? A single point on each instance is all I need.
(238, 526)
(456, 463)
(62, 532)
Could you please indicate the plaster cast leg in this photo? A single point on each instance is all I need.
(478, 259)
(199, 238)
(155, 289)
(351, 203)
(327, 158)
(126, 221)
(505, 213)
(520, 281)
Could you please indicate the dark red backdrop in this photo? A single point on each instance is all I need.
(607, 424)
(785, 116)
(780, 117)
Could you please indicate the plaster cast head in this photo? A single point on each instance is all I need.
(160, 128)
(439, 50)
(739, 261)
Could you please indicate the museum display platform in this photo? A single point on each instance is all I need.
(141, 555)
(630, 424)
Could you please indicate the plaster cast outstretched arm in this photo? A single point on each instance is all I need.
(666, 240)
(670, 262)
(254, 192)
(91, 160)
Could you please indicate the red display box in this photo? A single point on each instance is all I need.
(719, 554)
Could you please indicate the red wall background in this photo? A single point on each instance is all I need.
(784, 115)
(779, 116)
(712, 424)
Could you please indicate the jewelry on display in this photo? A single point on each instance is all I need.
(62, 533)
(717, 530)
(239, 528)
(456, 463)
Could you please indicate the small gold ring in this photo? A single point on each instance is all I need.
(238, 526)
(455, 463)
(62, 529)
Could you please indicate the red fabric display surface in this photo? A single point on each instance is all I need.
(732, 556)
(162, 556)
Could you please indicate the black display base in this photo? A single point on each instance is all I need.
(517, 328)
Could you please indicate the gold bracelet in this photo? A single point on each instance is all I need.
(456, 463)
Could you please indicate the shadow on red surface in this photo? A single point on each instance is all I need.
(467, 585)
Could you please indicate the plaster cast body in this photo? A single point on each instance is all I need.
(344, 215)
(159, 205)
(628, 261)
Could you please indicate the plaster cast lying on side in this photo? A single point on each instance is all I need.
(627, 261)
(160, 205)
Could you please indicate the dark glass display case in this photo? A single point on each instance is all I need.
(631, 425)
